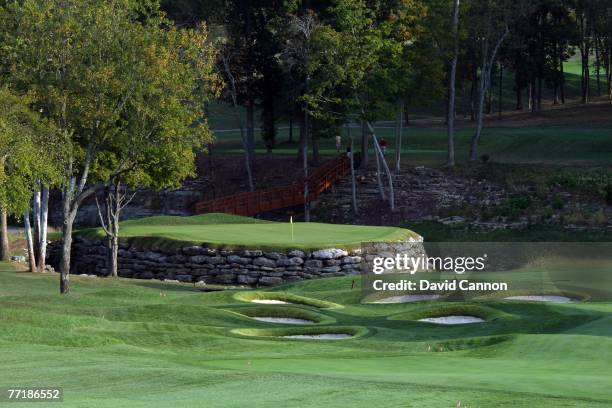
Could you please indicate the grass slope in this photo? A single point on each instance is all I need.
(230, 231)
(563, 145)
(119, 343)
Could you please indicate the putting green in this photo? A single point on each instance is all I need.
(122, 342)
(234, 231)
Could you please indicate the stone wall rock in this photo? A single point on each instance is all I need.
(201, 264)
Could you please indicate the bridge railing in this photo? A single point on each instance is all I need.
(251, 203)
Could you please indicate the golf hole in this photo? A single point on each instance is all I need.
(321, 336)
(453, 319)
(282, 320)
(543, 298)
(407, 299)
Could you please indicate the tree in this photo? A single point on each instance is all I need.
(226, 67)
(162, 123)
(28, 154)
(450, 119)
(254, 36)
(82, 63)
(491, 22)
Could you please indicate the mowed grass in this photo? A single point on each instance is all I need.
(129, 343)
(229, 231)
(563, 145)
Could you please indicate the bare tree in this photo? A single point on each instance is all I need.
(296, 56)
(380, 156)
(491, 41)
(115, 200)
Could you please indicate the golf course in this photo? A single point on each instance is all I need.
(138, 343)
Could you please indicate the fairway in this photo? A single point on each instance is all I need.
(118, 343)
(235, 231)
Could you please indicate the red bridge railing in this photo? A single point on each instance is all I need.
(251, 203)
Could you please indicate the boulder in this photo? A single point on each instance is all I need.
(290, 261)
(199, 259)
(351, 260)
(330, 253)
(251, 253)
(192, 250)
(296, 253)
(238, 259)
(274, 255)
(270, 281)
(313, 263)
(265, 262)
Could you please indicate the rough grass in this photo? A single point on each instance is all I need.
(230, 231)
(132, 343)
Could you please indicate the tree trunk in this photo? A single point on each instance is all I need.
(250, 130)
(301, 141)
(5, 255)
(598, 68)
(352, 164)
(381, 187)
(315, 148)
(114, 206)
(539, 94)
(68, 221)
(290, 128)
(562, 87)
(450, 118)
(473, 92)
(398, 141)
(484, 84)
(530, 96)
(73, 194)
(247, 159)
(380, 154)
(584, 57)
(305, 167)
(44, 216)
(36, 226)
(519, 93)
(29, 241)
(501, 90)
(364, 145)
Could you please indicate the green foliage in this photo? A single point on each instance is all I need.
(594, 181)
(29, 152)
(119, 79)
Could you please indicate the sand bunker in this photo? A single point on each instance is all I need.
(543, 298)
(270, 301)
(407, 298)
(322, 336)
(283, 320)
(455, 319)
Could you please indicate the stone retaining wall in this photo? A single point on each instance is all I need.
(209, 265)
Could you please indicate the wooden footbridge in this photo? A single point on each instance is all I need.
(259, 201)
